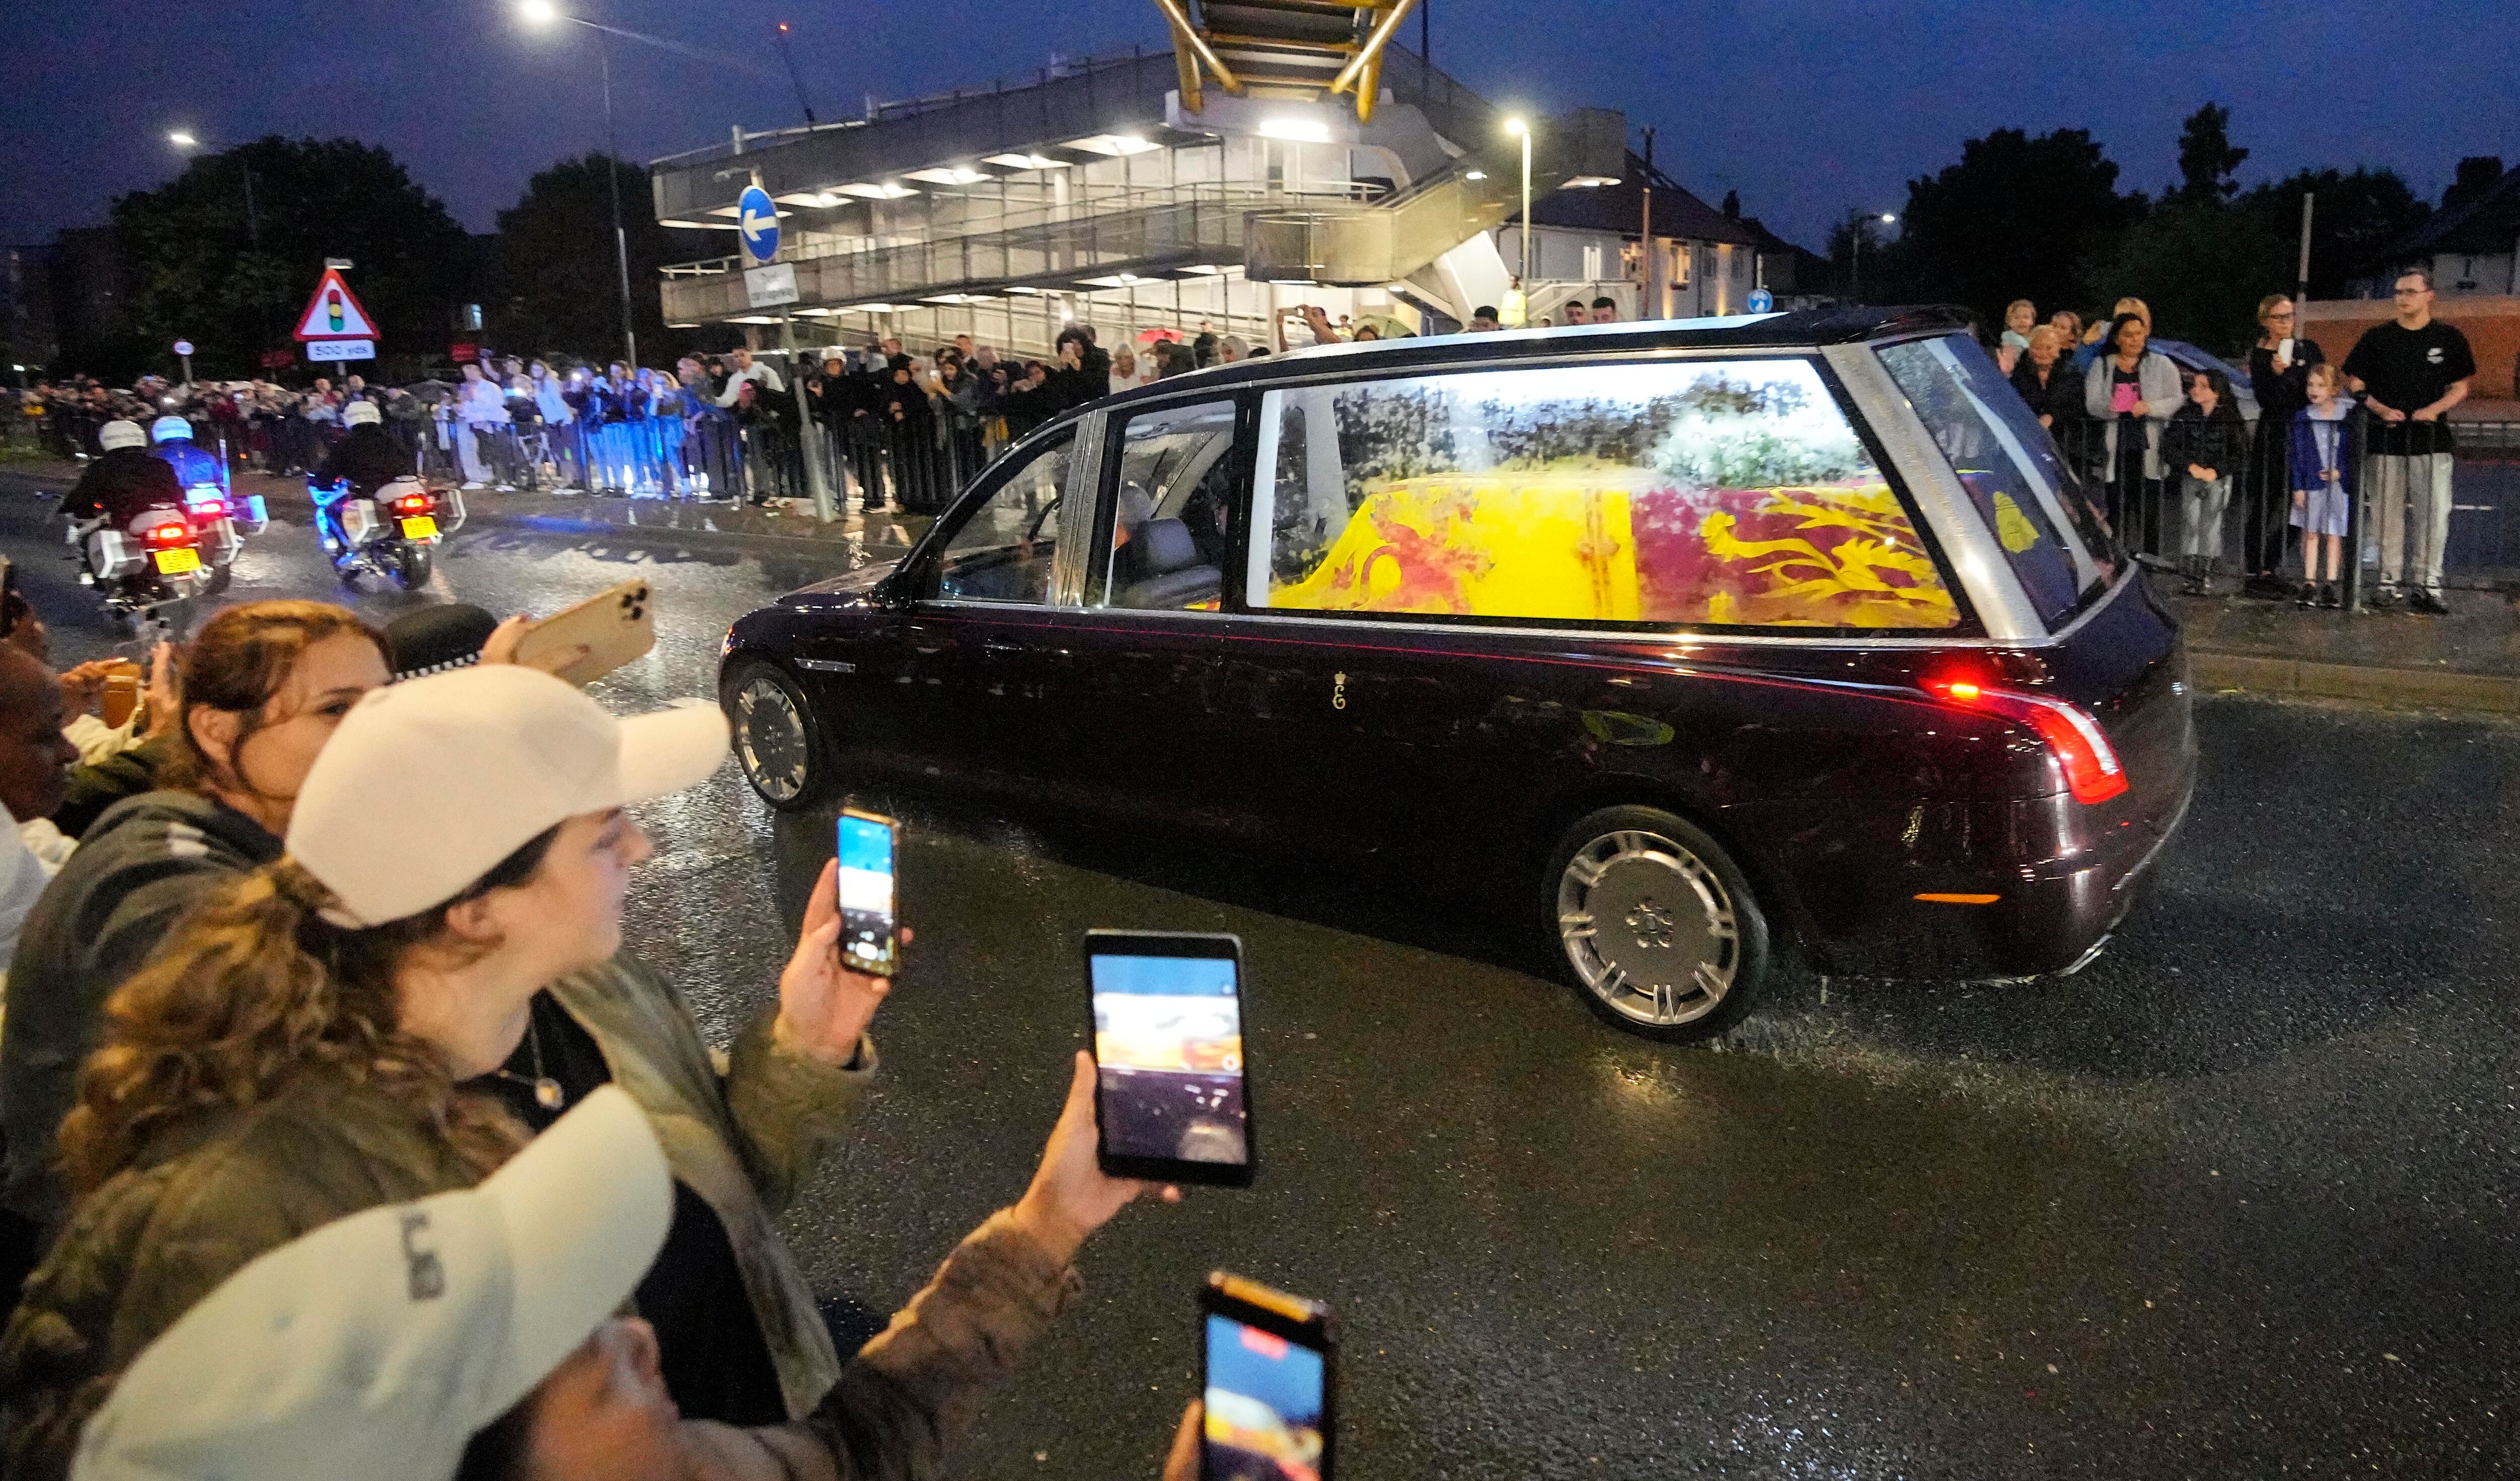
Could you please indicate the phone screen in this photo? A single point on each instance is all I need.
(866, 892)
(1168, 1042)
(1266, 1405)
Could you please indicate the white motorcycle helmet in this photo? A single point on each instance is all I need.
(170, 430)
(361, 413)
(120, 433)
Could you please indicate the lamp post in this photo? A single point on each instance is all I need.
(1521, 130)
(185, 139)
(1855, 252)
(543, 13)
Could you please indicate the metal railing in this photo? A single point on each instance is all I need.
(2257, 530)
(1188, 226)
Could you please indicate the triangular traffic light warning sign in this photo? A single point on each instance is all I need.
(335, 312)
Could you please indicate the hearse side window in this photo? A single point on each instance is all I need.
(2057, 544)
(1682, 492)
(1003, 552)
(1172, 526)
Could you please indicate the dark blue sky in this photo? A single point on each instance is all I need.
(1807, 106)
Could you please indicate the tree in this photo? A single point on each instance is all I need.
(555, 279)
(197, 273)
(2018, 217)
(2477, 174)
(2208, 161)
(2355, 217)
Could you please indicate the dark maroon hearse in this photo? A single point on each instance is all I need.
(1696, 636)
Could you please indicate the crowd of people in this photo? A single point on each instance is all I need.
(341, 1131)
(2167, 443)
(2161, 436)
(893, 429)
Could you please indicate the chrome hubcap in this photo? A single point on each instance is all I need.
(770, 737)
(1648, 927)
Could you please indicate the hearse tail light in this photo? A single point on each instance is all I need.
(2092, 767)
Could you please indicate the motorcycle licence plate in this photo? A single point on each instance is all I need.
(175, 561)
(420, 527)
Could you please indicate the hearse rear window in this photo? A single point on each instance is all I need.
(1686, 492)
(2057, 543)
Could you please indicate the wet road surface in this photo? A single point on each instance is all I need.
(2236, 1200)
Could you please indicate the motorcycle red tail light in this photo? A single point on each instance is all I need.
(2072, 735)
(412, 504)
(171, 534)
(212, 508)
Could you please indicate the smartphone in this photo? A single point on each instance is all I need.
(615, 626)
(866, 847)
(1267, 1379)
(1170, 1096)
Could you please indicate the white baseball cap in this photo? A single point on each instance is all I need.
(428, 784)
(376, 1345)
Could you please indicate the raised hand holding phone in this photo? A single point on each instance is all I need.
(824, 1003)
(1072, 1196)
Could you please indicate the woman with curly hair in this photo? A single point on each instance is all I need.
(262, 686)
(426, 977)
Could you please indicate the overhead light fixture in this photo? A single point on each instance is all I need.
(1024, 161)
(818, 313)
(953, 174)
(956, 298)
(1591, 182)
(1112, 145)
(700, 226)
(753, 319)
(1516, 126)
(876, 308)
(1297, 128)
(1115, 280)
(1476, 174)
(1017, 288)
(889, 190)
(1205, 269)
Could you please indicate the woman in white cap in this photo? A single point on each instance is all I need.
(444, 924)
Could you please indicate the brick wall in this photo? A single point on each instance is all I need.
(2491, 322)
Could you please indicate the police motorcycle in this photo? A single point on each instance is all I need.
(143, 559)
(222, 519)
(388, 526)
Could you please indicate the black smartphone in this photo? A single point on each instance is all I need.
(865, 849)
(1268, 1379)
(1170, 1093)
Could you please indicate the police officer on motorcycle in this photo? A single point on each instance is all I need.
(126, 483)
(193, 465)
(366, 460)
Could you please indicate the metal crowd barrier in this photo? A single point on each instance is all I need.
(2482, 549)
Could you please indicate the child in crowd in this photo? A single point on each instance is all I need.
(2322, 480)
(2203, 443)
(2020, 316)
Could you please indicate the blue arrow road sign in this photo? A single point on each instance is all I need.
(757, 218)
(1761, 300)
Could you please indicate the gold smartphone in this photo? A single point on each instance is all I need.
(613, 626)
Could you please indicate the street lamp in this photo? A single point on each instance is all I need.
(186, 139)
(1522, 131)
(545, 13)
(1855, 253)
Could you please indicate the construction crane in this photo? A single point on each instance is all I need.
(1304, 50)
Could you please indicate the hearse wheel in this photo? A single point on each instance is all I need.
(1656, 926)
(776, 739)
